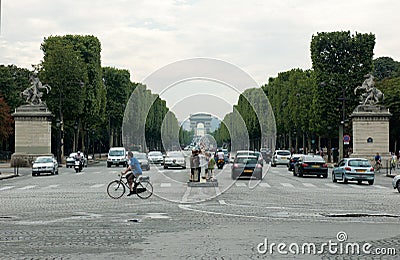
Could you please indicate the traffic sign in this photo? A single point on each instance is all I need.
(346, 139)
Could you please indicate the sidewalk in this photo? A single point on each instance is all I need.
(6, 171)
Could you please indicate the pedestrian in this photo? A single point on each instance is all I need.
(211, 166)
(195, 166)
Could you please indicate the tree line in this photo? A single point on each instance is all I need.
(88, 101)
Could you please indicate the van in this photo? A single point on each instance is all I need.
(117, 157)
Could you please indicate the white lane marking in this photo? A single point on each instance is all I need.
(27, 187)
(165, 185)
(6, 188)
(310, 185)
(240, 184)
(52, 186)
(379, 186)
(288, 185)
(265, 185)
(217, 191)
(186, 195)
(97, 185)
(331, 185)
(222, 202)
(356, 186)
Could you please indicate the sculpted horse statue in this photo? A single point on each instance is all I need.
(33, 94)
(371, 94)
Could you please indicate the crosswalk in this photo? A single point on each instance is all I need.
(238, 184)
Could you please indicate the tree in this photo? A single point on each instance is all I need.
(6, 120)
(340, 61)
(386, 67)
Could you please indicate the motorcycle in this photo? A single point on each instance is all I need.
(220, 163)
(78, 166)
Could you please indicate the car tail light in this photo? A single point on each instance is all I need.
(291, 160)
(325, 165)
(304, 164)
(348, 169)
(372, 169)
(258, 166)
(235, 165)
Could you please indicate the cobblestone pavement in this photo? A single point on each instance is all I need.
(70, 216)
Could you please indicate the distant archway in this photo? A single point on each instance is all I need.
(200, 123)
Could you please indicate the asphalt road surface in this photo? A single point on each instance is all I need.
(70, 216)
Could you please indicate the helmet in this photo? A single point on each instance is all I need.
(79, 152)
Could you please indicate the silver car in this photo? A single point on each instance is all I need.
(396, 182)
(353, 169)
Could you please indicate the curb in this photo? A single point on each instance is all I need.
(8, 176)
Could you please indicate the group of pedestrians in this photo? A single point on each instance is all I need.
(196, 164)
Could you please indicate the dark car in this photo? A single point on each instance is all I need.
(246, 165)
(311, 165)
(293, 160)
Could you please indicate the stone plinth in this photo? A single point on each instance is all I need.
(32, 133)
(202, 184)
(370, 131)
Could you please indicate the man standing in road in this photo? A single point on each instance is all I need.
(135, 171)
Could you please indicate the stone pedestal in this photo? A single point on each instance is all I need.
(370, 131)
(32, 133)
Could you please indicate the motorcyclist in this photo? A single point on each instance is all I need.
(79, 157)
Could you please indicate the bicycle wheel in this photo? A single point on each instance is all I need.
(144, 189)
(116, 189)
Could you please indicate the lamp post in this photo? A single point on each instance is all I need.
(75, 136)
(58, 124)
(93, 144)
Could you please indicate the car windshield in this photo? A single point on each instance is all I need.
(247, 160)
(359, 163)
(313, 159)
(140, 156)
(283, 153)
(116, 153)
(155, 154)
(44, 160)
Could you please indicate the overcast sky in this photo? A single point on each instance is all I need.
(261, 37)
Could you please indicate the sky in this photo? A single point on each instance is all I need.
(262, 38)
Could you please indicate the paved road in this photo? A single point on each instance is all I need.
(70, 216)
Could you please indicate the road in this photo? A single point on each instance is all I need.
(70, 216)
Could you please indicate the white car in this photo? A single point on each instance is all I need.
(44, 164)
(155, 157)
(281, 157)
(396, 182)
(174, 159)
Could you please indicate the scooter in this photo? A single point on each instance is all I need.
(220, 163)
(78, 166)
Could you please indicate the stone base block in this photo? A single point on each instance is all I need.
(24, 159)
(201, 184)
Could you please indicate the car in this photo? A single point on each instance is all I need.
(44, 164)
(226, 155)
(293, 159)
(70, 162)
(174, 159)
(311, 165)
(281, 157)
(246, 165)
(396, 182)
(259, 157)
(354, 169)
(155, 157)
(144, 162)
(117, 156)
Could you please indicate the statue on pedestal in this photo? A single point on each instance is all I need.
(33, 93)
(371, 95)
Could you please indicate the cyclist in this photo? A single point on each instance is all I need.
(378, 161)
(135, 171)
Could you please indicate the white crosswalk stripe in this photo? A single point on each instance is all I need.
(165, 185)
(52, 186)
(6, 188)
(379, 186)
(287, 185)
(240, 184)
(27, 187)
(309, 185)
(97, 185)
(264, 184)
(332, 185)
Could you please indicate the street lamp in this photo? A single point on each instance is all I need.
(75, 136)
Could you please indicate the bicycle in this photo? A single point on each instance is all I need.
(142, 187)
(377, 166)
